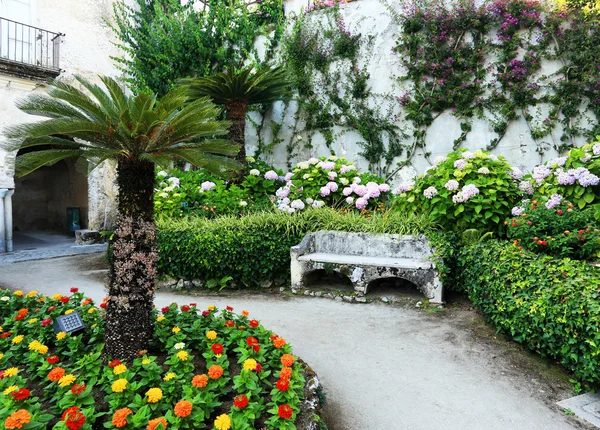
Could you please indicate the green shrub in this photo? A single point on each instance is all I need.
(200, 193)
(575, 177)
(549, 305)
(463, 190)
(256, 247)
(562, 231)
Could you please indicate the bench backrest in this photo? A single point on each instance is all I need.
(371, 245)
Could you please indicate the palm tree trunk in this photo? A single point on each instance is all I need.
(236, 113)
(129, 316)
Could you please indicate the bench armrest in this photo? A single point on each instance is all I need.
(303, 247)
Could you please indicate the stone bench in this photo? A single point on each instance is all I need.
(364, 258)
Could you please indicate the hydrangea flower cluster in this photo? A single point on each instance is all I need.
(328, 181)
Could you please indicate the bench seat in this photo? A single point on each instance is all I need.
(402, 263)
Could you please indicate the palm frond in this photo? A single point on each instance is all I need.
(27, 163)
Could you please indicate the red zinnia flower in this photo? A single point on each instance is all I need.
(5, 335)
(258, 368)
(114, 363)
(205, 313)
(229, 323)
(256, 348)
(283, 385)
(240, 401)
(46, 322)
(53, 359)
(217, 348)
(51, 308)
(74, 289)
(252, 341)
(77, 388)
(285, 412)
(22, 394)
(229, 308)
(73, 418)
(193, 305)
(254, 323)
(19, 317)
(165, 310)
(64, 299)
(185, 308)
(103, 305)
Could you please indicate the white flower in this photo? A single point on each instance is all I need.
(349, 200)
(174, 181)
(332, 158)
(344, 181)
(255, 172)
(313, 161)
(5, 298)
(309, 201)
(303, 165)
(318, 204)
(439, 159)
(430, 192)
(179, 345)
(297, 204)
(162, 173)
(243, 203)
(484, 171)
(332, 175)
(291, 210)
(356, 180)
(163, 195)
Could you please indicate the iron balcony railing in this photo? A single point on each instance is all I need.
(25, 44)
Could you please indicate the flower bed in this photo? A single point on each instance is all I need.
(204, 369)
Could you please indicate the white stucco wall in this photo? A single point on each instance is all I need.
(86, 49)
(370, 17)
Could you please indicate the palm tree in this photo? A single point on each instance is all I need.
(98, 124)
(238, 90)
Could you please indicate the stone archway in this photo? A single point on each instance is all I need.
(323, 279)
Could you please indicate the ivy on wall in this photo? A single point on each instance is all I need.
(164, 40)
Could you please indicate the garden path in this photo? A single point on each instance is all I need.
(383, 367)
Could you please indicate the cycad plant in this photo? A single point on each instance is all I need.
(236, 91)
(96, 124)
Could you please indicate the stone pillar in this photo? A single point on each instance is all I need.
(2, 223)
(8, 224)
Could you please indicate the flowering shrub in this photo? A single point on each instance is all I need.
(198, 192)
(557, 229)
(322, 4)
(575, 177)
(330, 181)
(463, 190)
(50, 380)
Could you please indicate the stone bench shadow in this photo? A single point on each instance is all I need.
(364, 258)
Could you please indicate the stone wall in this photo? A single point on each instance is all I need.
(370, 17)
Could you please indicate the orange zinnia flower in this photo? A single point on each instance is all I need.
(17, 419)
(287, 360)
(285, 373)
(278, 342)
(152, 424)
(56, 373)
(183, 408)
(215, 371)
(120, 417)
(200, 381)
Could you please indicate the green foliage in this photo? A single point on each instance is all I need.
(332, 84)
(564, 231)
(212, 249)
(465, 190)
(549, 305)
(574, 177)
(94, 124)
(165, 40)
(180, 193)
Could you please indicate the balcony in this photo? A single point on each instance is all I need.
(28, 52)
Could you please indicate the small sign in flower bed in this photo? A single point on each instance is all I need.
(204, 369)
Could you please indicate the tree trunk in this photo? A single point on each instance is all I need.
(236, 113)
(134, 255)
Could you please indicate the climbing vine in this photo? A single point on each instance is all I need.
(164, 40)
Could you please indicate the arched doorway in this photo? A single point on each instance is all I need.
(40, 205)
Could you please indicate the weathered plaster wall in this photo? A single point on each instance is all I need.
(86, 49)
(370, 17)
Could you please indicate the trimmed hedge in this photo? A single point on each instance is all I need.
(549, 305)
(256, 247)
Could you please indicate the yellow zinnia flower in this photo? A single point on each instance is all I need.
(57, 296)
(121, 368)
(69, 311)
(42, 349)
(175, 329)
(92, 310)
(119, 385)
(223, 422)
(11, 371)
(212, 335)
(1, 356)
(61, 335)
(146, 361)
(66, 380)
(31, 293)
(18, 293)
(32, 321)
(169, 376)
(211, 307)
(10, 390)
(154, 395)
(160, 318)
(18, 339)
(183, 355)
(250, 364)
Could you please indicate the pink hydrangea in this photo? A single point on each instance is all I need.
(361, 190)
(384, 188)
(347, 191)
(333, 187)
(325, 191)
(361, 203)
(271, 175)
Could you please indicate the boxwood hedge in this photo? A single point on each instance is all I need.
(550, 305)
